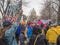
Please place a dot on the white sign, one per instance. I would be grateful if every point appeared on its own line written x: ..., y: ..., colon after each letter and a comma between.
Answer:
x: 45, y: 21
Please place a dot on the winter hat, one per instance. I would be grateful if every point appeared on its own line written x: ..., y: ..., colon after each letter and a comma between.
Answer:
x: 6, y: 23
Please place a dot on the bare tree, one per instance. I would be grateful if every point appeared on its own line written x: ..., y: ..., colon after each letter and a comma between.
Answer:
x: 25, y: 3
x: 50, y: 10
x: 56, y: 7
x: 46, y: 11
x: 56, y: 3
x: 2, y: 7
x: 10, y: 9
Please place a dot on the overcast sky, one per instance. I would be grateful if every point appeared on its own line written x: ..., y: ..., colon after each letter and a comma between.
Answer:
x: 36, y: 4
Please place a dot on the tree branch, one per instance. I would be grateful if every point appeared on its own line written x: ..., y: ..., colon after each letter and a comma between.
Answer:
x: 55, y: 3
x: 55, y: 10
x: 8, y: 2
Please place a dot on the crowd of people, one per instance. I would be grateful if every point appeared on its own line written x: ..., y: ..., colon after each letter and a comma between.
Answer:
x: 29, y: 33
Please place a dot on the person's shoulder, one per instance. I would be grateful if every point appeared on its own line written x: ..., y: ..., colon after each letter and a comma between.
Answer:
x: 51, y: 28
x: 58, y: 27
x: 42, y: 35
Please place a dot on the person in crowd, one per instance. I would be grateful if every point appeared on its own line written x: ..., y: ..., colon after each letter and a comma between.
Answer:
x: 49, y: 24
x: 52, y: 34
x: 2, y: 42
x: 45, y: 27
x: 37, y: 38
x: 18, y: 32
x: 29, y: 30
x: 2, y: 31
x: 22, y: 37
x: 39, y: 22
x: 23, y: 26
x: 58, y: 40
x: 10, y: 34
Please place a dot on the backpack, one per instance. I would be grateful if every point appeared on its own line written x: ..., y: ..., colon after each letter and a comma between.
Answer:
x: 40, y: 40
x: 29, y: 32
x: 18, y: 30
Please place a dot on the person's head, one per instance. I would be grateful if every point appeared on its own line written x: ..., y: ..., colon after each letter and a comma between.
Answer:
x: 37, y: 30
x: 28, y: 23
x: 39, y: 20
x: 53, y: 25
x: 23, y: 23
x: 6, y: 23
x: 6, y: 26
x: 50, y: 22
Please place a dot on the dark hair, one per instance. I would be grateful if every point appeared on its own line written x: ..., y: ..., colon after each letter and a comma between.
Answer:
x: 39, y: 20
x: 42, y: 25
x: 6, y: 23
x: 36, y: 30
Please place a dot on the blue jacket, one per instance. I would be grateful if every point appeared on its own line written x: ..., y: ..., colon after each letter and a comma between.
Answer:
x: 18, y: 29
x: 9, y: 35
x: 29, y: 32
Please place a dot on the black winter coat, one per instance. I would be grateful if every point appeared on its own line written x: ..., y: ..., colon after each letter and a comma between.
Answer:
x: 40, y: 41
x: 3, y: 42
